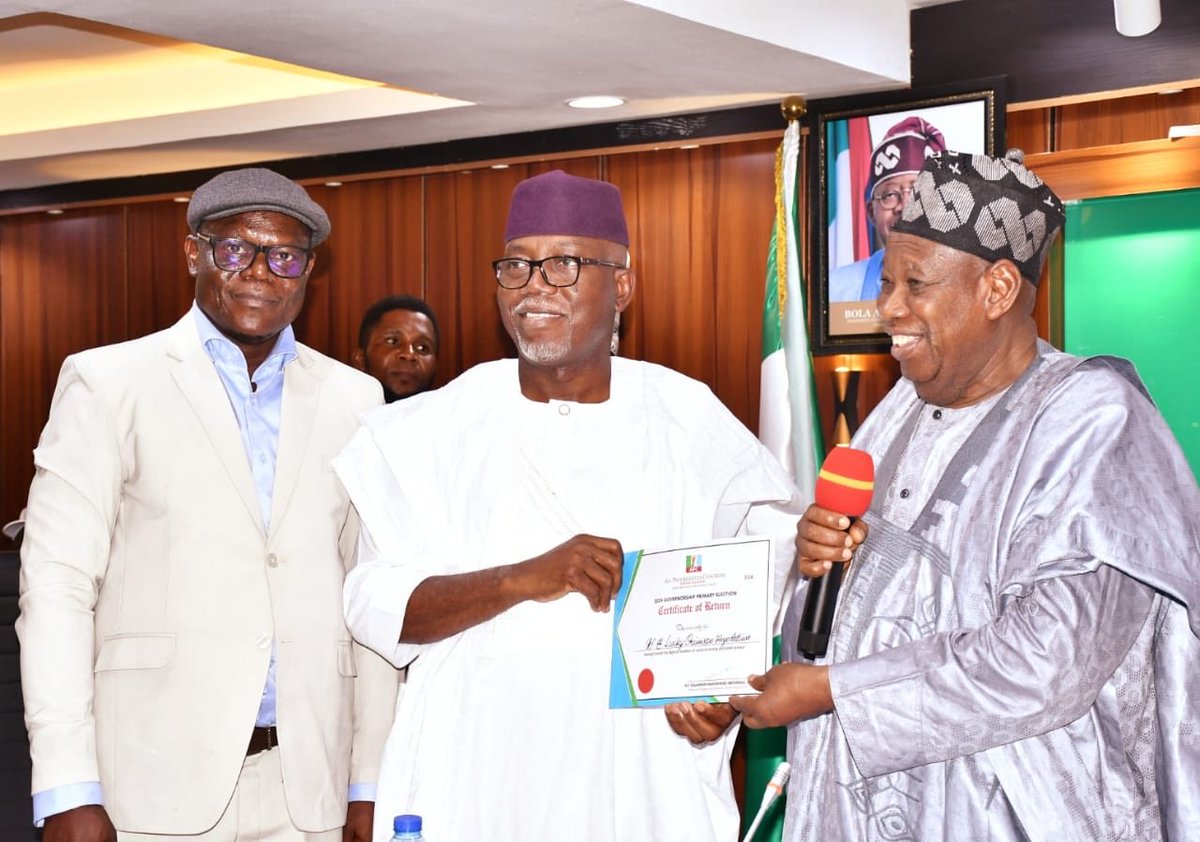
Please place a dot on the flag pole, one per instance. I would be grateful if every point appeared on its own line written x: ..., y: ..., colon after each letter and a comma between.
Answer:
x: 794, y: 107
x: 786, y: 423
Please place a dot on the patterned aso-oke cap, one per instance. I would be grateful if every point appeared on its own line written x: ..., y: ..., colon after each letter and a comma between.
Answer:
x: 994, y: 208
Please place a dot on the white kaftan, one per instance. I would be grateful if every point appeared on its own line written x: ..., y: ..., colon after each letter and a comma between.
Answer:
x: 503, y: 731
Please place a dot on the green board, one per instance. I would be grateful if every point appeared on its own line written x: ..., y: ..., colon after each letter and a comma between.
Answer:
x: 1131, y: 288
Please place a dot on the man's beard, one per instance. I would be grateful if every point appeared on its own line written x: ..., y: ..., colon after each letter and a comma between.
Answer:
x: 544, y: 352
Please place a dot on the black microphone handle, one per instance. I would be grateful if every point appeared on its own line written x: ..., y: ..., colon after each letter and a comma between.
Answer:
x: 816, y: 622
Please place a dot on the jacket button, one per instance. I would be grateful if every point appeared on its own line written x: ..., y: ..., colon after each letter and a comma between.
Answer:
x: 272, y: 560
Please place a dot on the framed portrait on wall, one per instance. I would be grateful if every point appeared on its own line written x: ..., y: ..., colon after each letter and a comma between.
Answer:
x: 864, y: 154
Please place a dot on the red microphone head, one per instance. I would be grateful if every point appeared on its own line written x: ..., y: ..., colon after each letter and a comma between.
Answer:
x: 846, y: 481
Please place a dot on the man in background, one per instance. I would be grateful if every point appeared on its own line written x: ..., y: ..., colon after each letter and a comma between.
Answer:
x: 186, y: 667
x: 1012, y: 657
x: 895, y: 162
x: 398, y: 345
x: 495, y: 510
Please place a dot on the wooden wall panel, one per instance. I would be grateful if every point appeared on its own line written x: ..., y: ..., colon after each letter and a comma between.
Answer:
x: 351, y: 266
x: 1123, y: 169
x: 743, y: 214
x: 1108, y: 122
x: 375, y: 245
x: 464, y: 233
x: 1125, y: 119
x: 62, y: 289
x: 668, y: 197
x: 1027, y: 130
x: 160, y: 288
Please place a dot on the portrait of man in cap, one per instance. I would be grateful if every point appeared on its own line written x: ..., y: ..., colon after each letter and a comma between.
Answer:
x: 490, y: 556
x: 894, y: 164
x: 187, y: 670
x: 1015, y: 645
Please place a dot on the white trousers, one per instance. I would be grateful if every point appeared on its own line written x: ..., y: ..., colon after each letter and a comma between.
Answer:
x: 257, y: 812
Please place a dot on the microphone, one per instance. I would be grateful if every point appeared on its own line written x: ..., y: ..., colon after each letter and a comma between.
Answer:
x: 774, y: 790
x: 844, y: 485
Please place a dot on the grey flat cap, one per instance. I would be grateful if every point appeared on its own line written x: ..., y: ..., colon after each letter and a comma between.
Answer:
x: 238, y: 191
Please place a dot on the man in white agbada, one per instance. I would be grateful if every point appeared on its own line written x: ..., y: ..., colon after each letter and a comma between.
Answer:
x: 1011, y: 657
x: 494, y: 514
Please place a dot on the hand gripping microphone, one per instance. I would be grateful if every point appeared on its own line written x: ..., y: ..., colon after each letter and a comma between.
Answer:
x: 844, y: 485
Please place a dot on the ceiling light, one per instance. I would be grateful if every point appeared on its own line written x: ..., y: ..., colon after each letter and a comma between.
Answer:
x: 596, y: 102
x: 333, y: 184
x: 499, y: 166
x: 690, y: 146
x: 181, y: 199
x: 54, y: 211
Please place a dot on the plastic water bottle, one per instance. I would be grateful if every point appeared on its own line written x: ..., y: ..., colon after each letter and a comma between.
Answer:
x: 407, y: 828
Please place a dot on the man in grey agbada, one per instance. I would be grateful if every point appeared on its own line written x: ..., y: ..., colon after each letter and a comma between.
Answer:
x: 1014, y: 652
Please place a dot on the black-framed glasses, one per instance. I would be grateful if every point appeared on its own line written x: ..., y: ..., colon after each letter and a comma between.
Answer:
x: 558, y: 270
x: 892, y: 199
x: 236, y: 255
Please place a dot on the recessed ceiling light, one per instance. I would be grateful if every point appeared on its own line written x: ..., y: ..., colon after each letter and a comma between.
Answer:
x: 54, y: 211
x: 499, y: 166
x: 596, y: 102
x: 181, y: 199
x: 690, y: 146
x: 333, y: 184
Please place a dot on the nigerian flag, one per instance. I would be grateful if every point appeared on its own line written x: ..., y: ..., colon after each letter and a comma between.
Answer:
x: 787, y: 423
x: 840, y: 199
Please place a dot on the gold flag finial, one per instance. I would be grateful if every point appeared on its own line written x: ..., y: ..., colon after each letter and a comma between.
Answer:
x: 793, y: 107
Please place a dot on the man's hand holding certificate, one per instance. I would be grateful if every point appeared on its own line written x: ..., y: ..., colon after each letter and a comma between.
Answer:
x: 691, y: 623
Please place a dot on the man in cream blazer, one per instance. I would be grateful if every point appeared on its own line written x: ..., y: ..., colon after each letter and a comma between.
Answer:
x: 186, y: 667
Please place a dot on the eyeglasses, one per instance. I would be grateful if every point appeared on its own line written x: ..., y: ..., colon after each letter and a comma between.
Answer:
x: 559, y: 270
x: 235, y: 255
x: 892, y: 199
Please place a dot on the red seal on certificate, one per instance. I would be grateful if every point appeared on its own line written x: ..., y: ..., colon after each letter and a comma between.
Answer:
x: 646, y: 680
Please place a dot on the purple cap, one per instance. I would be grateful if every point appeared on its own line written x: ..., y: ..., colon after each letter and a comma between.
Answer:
x: 558, y: 203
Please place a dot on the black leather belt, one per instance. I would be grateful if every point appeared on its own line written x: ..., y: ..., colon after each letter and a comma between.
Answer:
x: 262, y: 739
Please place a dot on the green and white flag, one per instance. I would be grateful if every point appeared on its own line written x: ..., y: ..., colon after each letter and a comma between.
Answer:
x: 787, y: 422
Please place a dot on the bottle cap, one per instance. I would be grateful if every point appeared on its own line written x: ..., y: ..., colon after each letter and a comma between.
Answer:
x: 406, y: 824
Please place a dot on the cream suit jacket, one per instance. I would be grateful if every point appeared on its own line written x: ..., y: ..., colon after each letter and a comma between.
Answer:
x: 151, y: 593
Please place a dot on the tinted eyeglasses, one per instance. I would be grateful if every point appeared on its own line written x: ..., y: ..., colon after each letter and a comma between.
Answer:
x: 235, y: 255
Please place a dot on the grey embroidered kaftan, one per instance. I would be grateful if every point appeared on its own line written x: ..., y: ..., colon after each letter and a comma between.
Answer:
x: 1016, y: 662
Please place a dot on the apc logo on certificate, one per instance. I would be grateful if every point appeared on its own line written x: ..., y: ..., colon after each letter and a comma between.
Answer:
x: 691, y: 623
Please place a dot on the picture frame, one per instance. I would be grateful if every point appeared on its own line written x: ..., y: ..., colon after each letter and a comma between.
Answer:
x: 863, y: 153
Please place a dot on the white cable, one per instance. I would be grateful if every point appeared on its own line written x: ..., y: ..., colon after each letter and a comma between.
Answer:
x: 774, y: 790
